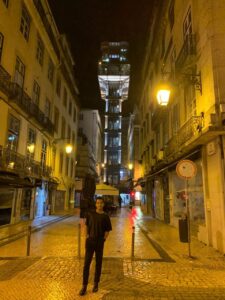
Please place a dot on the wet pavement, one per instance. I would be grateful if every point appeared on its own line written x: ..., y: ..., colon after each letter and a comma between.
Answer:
x: 161, y: 268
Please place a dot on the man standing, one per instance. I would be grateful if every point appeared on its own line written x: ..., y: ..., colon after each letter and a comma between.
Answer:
x: 98, y: 225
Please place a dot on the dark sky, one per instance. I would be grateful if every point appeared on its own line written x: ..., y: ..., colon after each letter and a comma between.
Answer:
x: 89, y: 22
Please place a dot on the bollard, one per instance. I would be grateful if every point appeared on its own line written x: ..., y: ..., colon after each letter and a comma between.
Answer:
x: 79, y: 242
x: 28, y: 239
x: 132, y: 242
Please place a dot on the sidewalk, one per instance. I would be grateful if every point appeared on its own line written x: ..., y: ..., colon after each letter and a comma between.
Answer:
x: 165, y: 272
x: 167, y: 237
x: 13, y: 232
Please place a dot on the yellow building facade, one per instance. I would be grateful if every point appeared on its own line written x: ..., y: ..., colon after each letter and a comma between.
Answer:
x: 38, y: 113
x: 185, y: 51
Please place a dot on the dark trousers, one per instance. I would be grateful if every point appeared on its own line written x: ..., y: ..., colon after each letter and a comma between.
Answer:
x: 93, y: 245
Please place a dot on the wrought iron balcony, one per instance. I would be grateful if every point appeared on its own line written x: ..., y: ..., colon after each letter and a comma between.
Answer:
x: 187, y: 52
x: 13, y: 161
x: 4, y: 81
x: 24, y: 102
x: 189, y: 131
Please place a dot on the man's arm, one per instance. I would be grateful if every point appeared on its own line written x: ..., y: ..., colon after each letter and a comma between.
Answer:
x: 106, y: 235
x: 85, y: 231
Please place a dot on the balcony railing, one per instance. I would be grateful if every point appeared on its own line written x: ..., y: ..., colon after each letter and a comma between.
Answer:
x: 187, y: 132
x: 188, y: 50
x: 24, y: 102
x: 13, y: 161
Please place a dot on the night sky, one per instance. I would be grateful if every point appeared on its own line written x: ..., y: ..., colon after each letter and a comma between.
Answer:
x: 89, y: 22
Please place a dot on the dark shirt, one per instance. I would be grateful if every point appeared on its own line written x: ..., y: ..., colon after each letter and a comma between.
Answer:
x: 97, y: 224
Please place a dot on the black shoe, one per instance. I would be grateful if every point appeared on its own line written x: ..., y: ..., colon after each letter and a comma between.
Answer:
x: 95, y: 288
x: 83, y: 290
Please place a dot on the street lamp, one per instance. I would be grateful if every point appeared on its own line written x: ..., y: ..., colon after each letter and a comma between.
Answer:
x: 68, y: 146
x: 163, y: 96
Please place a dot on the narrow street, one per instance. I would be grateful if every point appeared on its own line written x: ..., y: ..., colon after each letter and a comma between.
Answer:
x: 160, y: 268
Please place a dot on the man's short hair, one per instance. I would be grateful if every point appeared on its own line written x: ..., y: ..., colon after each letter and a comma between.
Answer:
x: 100, y: 198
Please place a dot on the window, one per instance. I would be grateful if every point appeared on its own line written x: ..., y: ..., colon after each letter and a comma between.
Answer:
x: 58, y: 86
x: 6, y: 2
x: 50, y: 70
x: 19, y: 72
x: 67, y: 166
x: 47, y: 108
x: 13, y: 132
x: 40, y: 51
x: 31, y: 139
x: 187, y: 25
x: 73, y: 138
x: 63, y: 128
x: 56, y: 119
x: 36, y: 93
x: 190, y: 101
x: 25, y: 23
x: 71, y: 168
x: 171, y: 15
x: 68, y: 132
x: 53, y: 158
x: 61, y: 163
x: 70, y: 108
x: 1, y: 44
x: 43, y: 153
x: 65, y: 97
x: 74, y: 115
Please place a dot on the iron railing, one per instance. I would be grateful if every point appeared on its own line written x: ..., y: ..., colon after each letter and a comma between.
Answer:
x: 13, y: 161
x: 186, y: 133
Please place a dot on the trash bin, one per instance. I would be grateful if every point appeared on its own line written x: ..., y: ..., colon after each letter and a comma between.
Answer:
x: 183, y: 230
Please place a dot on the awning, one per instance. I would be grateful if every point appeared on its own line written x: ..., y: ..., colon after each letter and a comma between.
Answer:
x: 10, y: 179
x: 104, y: 189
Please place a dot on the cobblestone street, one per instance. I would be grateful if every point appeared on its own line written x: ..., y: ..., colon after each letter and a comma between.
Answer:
x: 160, y: 269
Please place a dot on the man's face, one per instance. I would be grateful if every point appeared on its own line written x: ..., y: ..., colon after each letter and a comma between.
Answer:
x: 99, y: 204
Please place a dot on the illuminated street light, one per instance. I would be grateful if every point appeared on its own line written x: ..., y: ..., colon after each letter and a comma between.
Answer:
x: 163, y: 96
x: 130, y: 166
x: 69, y: 148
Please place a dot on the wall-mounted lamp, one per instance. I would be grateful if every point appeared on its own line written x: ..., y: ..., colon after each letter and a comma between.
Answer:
x: 68, y: 146
x: 164, y: 90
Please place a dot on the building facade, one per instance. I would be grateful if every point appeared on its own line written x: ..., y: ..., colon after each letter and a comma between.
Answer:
x: 113, y: 77
x: 191, y: 58
x: 38, y: 113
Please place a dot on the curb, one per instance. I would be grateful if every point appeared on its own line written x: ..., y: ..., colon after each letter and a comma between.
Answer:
x: 13, y: 237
